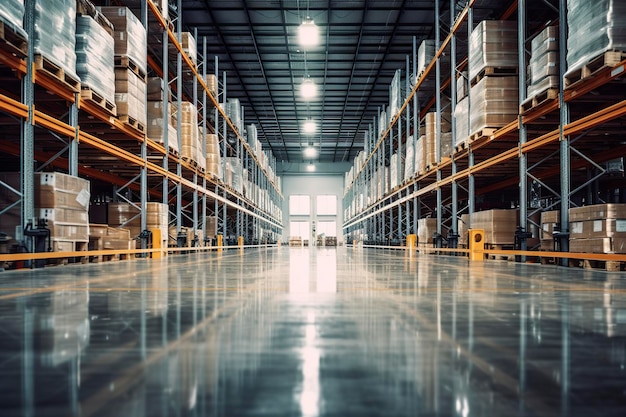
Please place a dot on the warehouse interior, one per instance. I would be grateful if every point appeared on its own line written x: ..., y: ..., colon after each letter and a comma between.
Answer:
x: 312, y: 207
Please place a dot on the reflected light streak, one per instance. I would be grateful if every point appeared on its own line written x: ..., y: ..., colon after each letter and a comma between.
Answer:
x: 309, y: 397
x: 327, y: 271
x: 299, y: 271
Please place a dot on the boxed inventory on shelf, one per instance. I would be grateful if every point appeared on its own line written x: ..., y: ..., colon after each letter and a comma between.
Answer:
x: 425, y: 55
x: 549, y: 222
x: 493, y: 43
x: 130, y: 95
x: 494, y: 102
x: 95, y: 56
x: 62, y: 200
x: 128, y: 216
x: 409, y: 159
x: 499, y: 225
x: 130, y: 35
x: 543, y: 66
x: 426, y: 229
x: 598, y: 228
x: 12, y: 12
x: 594, y: 27
x: 105, y: 237
x: 188, y: 43
x: 156, y: 125
x: 462, y: 86
x: 396, y: 94
x: 55, y: 33
x: 461, y: 120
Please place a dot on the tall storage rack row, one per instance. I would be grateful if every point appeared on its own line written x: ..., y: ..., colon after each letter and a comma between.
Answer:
x: 562, y: 148
x: 49, y: 123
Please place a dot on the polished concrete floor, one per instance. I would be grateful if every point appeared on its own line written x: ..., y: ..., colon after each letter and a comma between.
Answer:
x: 312, y: 332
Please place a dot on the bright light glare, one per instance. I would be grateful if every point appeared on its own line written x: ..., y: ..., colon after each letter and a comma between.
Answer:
x: 310, y: 168
x: 308, y: 34
x: 308, y: 89
x: 310, y: 152
x: 309, y: 126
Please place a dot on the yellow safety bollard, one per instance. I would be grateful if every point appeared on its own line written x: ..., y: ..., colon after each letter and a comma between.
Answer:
x: 476, y: 244
x: 240, y: 241
x: 411, y: 242
x: 156, y: 243
x: 220, y: 242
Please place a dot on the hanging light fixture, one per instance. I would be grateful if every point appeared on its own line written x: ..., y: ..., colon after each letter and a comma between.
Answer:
x: 310, y: 152
x: 308, y: 89
x: 310, y: 167
x: 308, y: 33
x: 309, y: 126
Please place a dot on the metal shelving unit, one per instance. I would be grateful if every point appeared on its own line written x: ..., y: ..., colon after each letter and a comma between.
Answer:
x: 48, y: 124
x: 547, y: 158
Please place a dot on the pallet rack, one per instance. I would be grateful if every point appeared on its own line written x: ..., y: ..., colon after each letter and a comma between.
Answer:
x: 48, y: 124
x: 547, y: 158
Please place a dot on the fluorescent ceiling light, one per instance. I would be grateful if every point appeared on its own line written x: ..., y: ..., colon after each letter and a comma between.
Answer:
x: 308, y: 34
x: 308, y: 89
x: 310, y: 152
x: 310, y: 167
x: 309, y: 126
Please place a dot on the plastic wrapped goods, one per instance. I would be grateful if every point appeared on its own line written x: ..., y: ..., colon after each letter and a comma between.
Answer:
x: 12, y: 12
x: 409, y: 161
x: 130, y: 95
x: 461, y: 121
x: 543, y: 66
x: 189, y: 46
x: 494, y: 102
x: 130, y: 35
x: 55, y: 32
x: 94, y: 57
x: 425, y: 54
x: 420, y: 155
x: 396, y: 96
x: 493, y: 43
x: 157, y: 125
x: 593, y: 28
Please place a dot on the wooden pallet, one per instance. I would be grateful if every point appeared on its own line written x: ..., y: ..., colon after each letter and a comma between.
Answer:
x: 45, y: 65
x: 607, y: 60
x: 500, y: 247
x: 12, y: 41
x: 461, y: 146
x: 190, y: 161
x: 539, y: 100
x: 601, y: 265
x: 494, y: 71
x: 88, y: 94
x: 483, y: 133
x: 87, y: 8
x: 132, y: 122
x: 124, y: 61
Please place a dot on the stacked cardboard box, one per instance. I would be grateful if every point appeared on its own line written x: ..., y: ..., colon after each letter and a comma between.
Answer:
x: 395, y: 169
x: 409, y: 160
x: 55, y: 33
x: 494, y: 102
x: 425, y: 55
x: 549, y: 221
x: 594, y: 27
x: 95, y: 54
x: 130, y: 95
x: 463, y: 229
x: 213, y: 161
x: 499, y: 225
x: 190, y: 135
x: 211, y: 83
x: 189, y: 46
x: 426, y: 228
x: 105, y: 237
x: 461, y: 120
x: 128, y: 216
x: 431, y: 153
x: 543, y: 67
x: 420, y: 155
x: 396, y: 94
x: 62, y: 200
x: 156, y: 92
x: 493, y: 63
x: 598, y: 228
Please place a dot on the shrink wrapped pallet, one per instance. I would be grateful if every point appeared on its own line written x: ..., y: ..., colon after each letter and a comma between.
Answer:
x: 211, y: 83
x: 12, y: 12
x: 396, y: 96
x: 213, y: 161
x: 463, y: 229
x: 426, y: 229
x: 446, y: 145
x: 594, y: 27
x: 543, y: 66
x: 394, y: 171
x: 598, y: 228
x: 94, y: 57
x: 493, y: 43
x: 462, y: 86
x: 130, y: 95
x: 420, y: 155
x: 409, y: 161
x: 431, y: 137
x: 157, y: 127
x: 425, y: 55
x: 499, y: 225
x: 494, y: 102
x: 54, y: 36
x: 156, y: 88
x: 234, y: 112
x: 130, y: 35
x: 383, y: 122
x: 461, y: 120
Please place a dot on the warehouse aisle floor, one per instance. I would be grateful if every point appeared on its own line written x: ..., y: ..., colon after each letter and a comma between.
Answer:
x: 312, y: 332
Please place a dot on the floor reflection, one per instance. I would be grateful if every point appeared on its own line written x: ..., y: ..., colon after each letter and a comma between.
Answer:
x: 312, y: 332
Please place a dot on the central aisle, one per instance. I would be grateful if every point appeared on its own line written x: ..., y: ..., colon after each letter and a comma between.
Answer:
x: 312, y: 332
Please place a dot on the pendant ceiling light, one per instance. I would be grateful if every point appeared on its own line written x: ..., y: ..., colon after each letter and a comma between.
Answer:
x: 308, y: 89
x: 309, y: 126
x: 308, y: 34
x: 310, y: 152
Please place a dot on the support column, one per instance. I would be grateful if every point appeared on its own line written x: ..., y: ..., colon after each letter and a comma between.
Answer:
x: 523, y: 164
x: 564, y: 145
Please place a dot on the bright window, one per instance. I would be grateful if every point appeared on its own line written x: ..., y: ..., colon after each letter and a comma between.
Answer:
x: 299, y: 205
x: 327, y: 205
x: 327, y: 228
x: 299, y: 229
